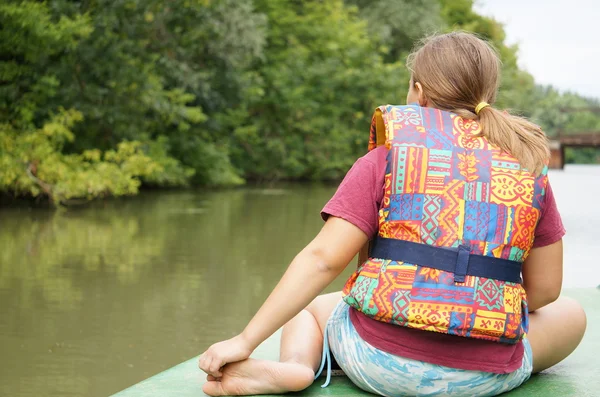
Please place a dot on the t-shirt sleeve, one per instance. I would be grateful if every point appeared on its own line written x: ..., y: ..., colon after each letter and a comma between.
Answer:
x: 550, y: 228
x: 358, y: 197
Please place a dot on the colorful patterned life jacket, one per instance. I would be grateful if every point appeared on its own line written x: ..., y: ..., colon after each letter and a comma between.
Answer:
x: 456, y: 222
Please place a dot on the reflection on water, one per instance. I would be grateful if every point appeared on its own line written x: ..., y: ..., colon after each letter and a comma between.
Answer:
x: 98, y: 298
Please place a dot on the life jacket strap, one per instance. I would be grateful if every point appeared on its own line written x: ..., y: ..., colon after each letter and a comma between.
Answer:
x: 459, y: 261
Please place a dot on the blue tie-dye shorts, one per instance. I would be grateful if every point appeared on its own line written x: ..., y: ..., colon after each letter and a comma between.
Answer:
x: 385, y: 374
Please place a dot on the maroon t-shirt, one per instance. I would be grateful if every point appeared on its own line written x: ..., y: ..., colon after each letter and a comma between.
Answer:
x: 357, y: 200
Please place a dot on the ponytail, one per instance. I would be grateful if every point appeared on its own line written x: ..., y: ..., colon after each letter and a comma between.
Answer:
x: 513, y: 134
x: 517, y: 136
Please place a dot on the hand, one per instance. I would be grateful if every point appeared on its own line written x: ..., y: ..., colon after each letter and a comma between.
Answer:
x: 222, y: 353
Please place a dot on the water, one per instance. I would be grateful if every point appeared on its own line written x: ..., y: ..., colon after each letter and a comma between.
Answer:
x: 99, y: 298
x: 577, y: 192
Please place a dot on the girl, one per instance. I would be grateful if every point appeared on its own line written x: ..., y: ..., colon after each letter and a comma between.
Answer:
x: 454, y: 198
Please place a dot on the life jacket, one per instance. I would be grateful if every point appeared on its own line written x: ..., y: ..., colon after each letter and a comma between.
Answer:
x: 456, y: 223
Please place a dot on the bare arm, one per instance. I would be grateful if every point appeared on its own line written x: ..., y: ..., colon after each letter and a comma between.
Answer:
x: 363, y: 254
x: 542, y: 275
x: 314, y: 268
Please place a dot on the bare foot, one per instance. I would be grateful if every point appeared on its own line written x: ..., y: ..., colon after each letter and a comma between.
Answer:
x: 250, y: 377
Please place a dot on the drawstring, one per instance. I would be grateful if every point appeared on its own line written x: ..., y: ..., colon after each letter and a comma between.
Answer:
x: 325, y: 357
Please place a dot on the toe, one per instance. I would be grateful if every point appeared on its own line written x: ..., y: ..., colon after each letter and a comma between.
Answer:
x: 214, y: 388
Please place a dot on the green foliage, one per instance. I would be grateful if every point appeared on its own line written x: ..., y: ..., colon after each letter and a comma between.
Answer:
x: 319, y: 79
x: 98, y: 98
x: 166, y: 71
x: 584, y: 155
x: 398, y: 24
x: 47, y: 150
x: 34, y: 164
x: 564, y: 113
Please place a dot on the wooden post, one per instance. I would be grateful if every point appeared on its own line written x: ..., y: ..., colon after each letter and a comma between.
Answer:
x: 557, y: 155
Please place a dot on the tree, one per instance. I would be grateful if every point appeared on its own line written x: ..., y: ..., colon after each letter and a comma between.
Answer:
x: 398, y: 24
x: 320, y: 79
x: 99, y: 97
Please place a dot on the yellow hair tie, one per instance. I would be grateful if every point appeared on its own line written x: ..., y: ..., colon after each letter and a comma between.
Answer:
x: 480, y: 106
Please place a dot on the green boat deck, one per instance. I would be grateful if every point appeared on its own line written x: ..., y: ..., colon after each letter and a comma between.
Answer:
x: 578, y: 375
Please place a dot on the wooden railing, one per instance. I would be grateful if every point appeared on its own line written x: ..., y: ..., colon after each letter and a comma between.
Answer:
x: 580, y: 139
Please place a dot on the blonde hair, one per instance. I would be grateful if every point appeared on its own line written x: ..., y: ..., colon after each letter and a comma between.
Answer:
x: 458, y: 71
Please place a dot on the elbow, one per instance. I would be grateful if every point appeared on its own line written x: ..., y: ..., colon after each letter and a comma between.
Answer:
x: 554, y: 294
x: 324, y: 267
x: 542, y: 297
x: 549, y: 297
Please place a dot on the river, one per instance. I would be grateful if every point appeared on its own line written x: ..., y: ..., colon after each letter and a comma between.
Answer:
x: 97, y: 298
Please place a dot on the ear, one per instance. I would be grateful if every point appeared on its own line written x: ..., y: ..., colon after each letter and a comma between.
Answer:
x: 423, y: 101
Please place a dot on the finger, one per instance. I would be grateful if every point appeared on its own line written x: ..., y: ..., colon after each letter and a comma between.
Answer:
x: 211, y: 378
x: 202, y: 362
x: 206, y: 365
x: 215, y: 367
x: 214, y: 389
